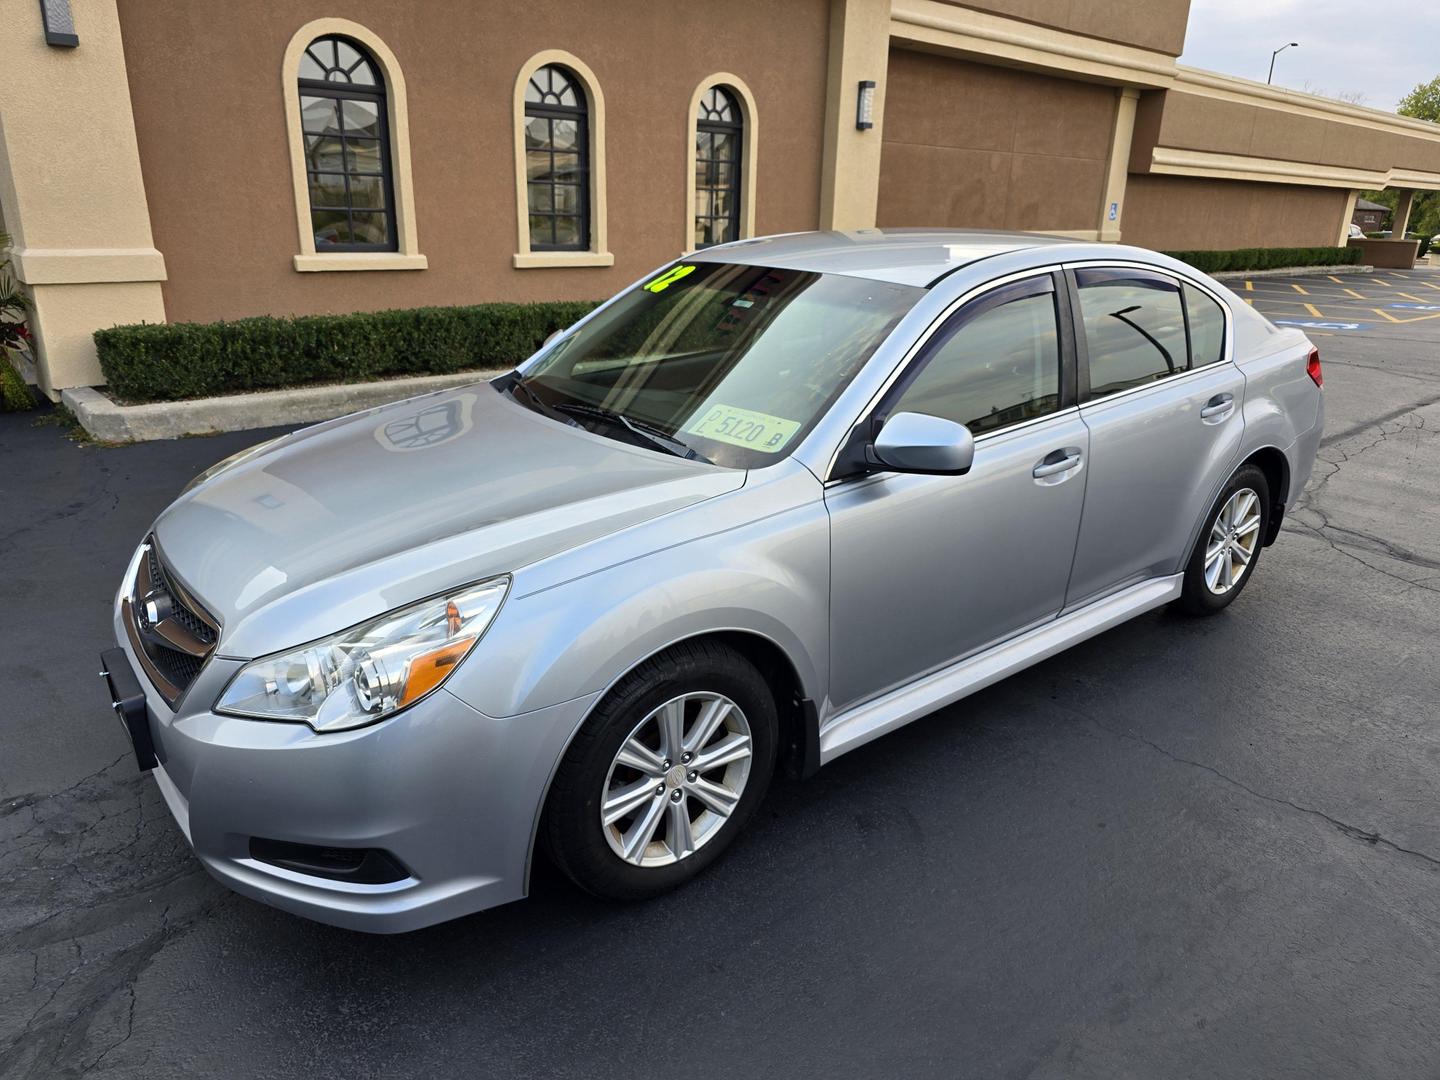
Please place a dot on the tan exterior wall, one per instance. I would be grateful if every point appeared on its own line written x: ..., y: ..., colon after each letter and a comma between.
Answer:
x: 973, y: 146
x: 1221, y: 127
x: 1178, y: 213
x: 1153, y: 24
x: 71, y: 190
x: 1194, y: 122
x: 212, y: 137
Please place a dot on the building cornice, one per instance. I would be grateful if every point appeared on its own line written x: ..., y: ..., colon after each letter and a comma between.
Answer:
x: 1172, y: 161
x: 927, y: 24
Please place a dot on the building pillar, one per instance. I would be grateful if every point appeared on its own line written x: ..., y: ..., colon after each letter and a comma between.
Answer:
x: 71, y: 193
x: 1122, y: 131
x: 850, y: 166
x: 1406, y: 199
x: 1347, y: 218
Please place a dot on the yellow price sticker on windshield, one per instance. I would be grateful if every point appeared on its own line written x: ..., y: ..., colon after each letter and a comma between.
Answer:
x: 744, y: 427
x: 668, y: 278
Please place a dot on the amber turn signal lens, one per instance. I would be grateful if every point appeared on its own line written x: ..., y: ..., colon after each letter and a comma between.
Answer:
x: 428, y: 670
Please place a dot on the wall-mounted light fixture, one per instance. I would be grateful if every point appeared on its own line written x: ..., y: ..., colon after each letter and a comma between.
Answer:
x: 865, y: 106
x: 59, y: 23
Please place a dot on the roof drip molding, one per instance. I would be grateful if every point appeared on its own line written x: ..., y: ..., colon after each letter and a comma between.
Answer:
x: 927, y: 24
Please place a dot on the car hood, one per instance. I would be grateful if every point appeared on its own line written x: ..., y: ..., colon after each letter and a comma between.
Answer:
x: 337, y: 523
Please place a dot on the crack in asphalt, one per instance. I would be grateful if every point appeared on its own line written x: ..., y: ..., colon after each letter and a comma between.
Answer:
x: 1341, y: 539
x: 1375, y: 839
x: 80, y: 923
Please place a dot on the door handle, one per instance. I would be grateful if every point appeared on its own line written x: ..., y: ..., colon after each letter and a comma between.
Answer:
x: 1057, y: 461
x: 1218, y: 406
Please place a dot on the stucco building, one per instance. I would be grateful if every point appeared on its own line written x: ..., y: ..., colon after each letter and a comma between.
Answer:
x: 209, y: 161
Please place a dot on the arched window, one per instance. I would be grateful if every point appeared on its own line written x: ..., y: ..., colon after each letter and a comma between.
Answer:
x: 720, y: 166
x: 719, y: 130
x: 557, y: 161
x: 345, y: 126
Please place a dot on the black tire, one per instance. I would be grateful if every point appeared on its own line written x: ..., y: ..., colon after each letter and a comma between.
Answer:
x: 572, y: 831
x: 1196, y: 597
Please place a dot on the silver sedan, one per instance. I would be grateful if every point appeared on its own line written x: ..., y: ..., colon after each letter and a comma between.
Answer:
x: 769, y: 503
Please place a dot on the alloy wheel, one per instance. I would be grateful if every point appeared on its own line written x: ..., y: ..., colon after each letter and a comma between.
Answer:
x: 676, y: 779
x: 1234, y: 537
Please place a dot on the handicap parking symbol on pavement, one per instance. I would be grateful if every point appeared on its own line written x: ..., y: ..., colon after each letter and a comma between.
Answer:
x: 1415, y: 307
x: 1319, y: 324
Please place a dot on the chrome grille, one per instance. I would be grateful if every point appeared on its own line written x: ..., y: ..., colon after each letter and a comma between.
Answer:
x: 171, y: 633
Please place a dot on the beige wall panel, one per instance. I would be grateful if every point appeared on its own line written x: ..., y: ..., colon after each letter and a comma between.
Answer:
x: 943, y: 186
x: 212, y: 138
x: 973, y: 146
x: 1154, y: 24
x: 1053, y: 193
x: 1173, y: 213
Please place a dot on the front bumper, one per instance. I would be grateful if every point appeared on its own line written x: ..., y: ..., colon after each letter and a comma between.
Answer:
x: 452, y: 794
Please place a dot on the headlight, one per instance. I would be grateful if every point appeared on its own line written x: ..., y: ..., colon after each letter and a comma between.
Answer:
x: 225, y: 463
x: 369, y: 671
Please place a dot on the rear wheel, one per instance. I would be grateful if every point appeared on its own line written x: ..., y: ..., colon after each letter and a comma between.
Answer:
x: 664, y: 773
x: 1229, y: 547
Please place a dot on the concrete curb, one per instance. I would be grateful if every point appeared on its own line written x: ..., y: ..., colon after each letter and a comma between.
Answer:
x: 1292, y: 271
x: 106, y: 421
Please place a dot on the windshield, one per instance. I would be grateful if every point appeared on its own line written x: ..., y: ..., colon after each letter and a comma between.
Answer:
x: 731, y: 364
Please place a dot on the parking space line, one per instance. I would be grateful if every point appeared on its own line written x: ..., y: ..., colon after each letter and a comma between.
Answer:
x: 1300, y: 289
x: 1411, y: 296
x: 1335, y: 279
x: 1414, y: 318
x: 1313, y: 310
x: 1379, y: 282
x: 1355, y: 294
x: 1249, y: 286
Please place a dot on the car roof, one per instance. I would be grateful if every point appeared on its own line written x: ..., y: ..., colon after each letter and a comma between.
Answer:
x: 903, y: 256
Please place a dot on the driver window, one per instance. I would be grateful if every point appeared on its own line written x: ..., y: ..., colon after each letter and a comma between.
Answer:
x: 995, y: 367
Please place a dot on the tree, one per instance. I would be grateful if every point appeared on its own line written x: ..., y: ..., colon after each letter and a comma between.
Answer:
x: 1423, y: 102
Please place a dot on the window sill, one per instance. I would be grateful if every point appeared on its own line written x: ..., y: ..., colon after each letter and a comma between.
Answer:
x: 530, y: 260
x: 360, y: 260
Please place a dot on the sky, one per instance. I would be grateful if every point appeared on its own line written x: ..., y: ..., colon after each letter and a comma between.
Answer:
x: 1379, y: 50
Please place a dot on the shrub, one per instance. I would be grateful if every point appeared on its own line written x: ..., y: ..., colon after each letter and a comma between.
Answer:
x: 1215, y: 262
x: 169, y: 361
x: 15, y: 394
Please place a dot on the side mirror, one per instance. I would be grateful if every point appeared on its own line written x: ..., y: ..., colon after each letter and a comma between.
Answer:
x: 916, y: 443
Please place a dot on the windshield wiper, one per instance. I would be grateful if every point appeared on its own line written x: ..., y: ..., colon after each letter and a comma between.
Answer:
x: 649, y: 435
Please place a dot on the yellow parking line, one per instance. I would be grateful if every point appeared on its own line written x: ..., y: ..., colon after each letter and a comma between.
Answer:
x: 1249, y: 301
x: 1411, y: 296
x: 1314, y: 311
x: 1299, y: 289
x: 1379, y: 282
x: 1355, y: 294
x: 1249, y: 286
x: 1335, y: 279
x: 1413, y: 318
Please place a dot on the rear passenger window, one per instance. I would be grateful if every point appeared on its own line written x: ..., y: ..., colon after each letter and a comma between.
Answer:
x: 1134, y: 328
x: 1207, y: 328
x: 998, y: 363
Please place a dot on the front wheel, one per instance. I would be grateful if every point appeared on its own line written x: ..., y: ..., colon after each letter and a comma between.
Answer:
x: 1229, y: 547
x: 664, y: 773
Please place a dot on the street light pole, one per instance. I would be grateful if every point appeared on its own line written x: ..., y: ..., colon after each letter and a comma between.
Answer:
x: 1277, y: 52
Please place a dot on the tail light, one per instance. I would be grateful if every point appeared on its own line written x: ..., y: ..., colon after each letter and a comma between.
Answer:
x: 1312, y: 368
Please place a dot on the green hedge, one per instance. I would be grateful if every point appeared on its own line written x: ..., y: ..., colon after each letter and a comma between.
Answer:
x: 1215, y: 262
x: 169, y: 361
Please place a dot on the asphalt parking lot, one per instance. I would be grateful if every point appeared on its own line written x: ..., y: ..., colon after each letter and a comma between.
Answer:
x: 1182, y: 849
